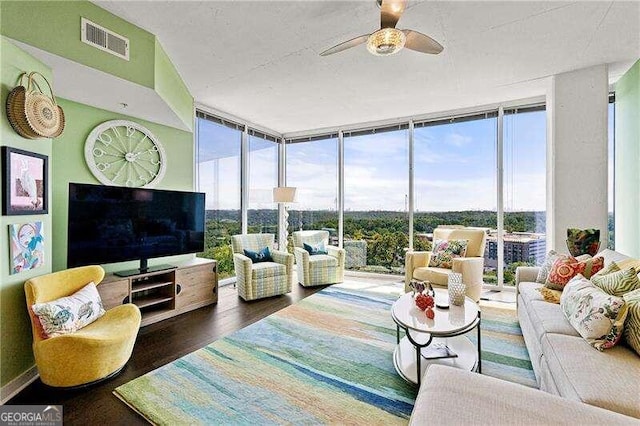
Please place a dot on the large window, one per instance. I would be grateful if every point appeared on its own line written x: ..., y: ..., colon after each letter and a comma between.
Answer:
x: 455, y: 179
x: 524, y: 189
x: 611, y: 164
x: 219, y: 177
x: 376, y: 196
x: 312, y: 167
x: 263, y: 177
x: 456, y: 182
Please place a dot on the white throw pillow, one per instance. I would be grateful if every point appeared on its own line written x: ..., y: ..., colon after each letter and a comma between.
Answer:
x: 71, y: 313
x: 597, y: 316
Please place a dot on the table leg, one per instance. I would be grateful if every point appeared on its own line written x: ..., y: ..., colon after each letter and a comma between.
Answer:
x: 479, y: 345
x: 418, y: 361
x: 397, y: 334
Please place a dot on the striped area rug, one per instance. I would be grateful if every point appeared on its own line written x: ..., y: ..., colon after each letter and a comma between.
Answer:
x: 326, y: 359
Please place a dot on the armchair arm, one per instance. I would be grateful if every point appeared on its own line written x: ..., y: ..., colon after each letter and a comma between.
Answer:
x: 302, y: 264
x: 413, y: 260
x: 284, y: 258
x: 472, y: 270
x: 525, y: 274
x: 242, y: 266
x: 338, y: 253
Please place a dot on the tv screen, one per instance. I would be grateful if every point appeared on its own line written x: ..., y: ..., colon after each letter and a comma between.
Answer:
x: 110, y: 224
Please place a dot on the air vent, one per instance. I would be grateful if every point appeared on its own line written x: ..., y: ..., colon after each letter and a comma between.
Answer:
x: 103, y: 39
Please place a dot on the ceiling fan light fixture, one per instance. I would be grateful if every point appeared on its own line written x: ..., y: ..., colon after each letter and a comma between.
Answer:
x: 386, y: 41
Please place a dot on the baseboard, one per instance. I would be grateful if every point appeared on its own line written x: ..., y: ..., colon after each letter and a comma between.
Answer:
x: 12, y: 388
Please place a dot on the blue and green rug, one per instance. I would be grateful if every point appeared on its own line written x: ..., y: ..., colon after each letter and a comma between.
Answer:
x: 326, y: 359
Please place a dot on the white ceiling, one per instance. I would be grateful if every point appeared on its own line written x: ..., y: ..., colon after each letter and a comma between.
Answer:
x: 259, y: 60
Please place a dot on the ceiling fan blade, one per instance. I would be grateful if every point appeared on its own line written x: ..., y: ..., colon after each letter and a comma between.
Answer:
x: 421, y: 43
x: 390, y: 12
x: 346, y: 45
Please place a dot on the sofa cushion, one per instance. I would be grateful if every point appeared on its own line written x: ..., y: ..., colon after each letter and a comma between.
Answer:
x: 598, y: 316
x: 612, y: 256
x: 548, y: 318
x: 606, y: 379
x: 267, y: 269
x: 438, y: 276
x: 529, y: 292
x: 451, y: 396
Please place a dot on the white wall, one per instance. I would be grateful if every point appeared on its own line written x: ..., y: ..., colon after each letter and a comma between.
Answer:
x: 627, y: 163
x: 577, y: 104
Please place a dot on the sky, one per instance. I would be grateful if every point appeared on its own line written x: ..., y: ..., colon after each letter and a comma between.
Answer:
x: 455, y: 168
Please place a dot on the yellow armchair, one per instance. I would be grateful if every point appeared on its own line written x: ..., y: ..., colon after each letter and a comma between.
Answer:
x: 471, y: 266
x: 93, y: 353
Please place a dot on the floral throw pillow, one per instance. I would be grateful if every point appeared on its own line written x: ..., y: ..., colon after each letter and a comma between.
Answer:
x: 567, y: 267
x: 552, y: 256
x: 597, y: 316
x: 69, y: 314
x: 444, y: 251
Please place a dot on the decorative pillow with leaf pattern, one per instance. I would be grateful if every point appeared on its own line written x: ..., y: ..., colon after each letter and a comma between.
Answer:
x: 444, y: 251
x: 632, y: 326
x: 597, y: 316
x: 69, y: 314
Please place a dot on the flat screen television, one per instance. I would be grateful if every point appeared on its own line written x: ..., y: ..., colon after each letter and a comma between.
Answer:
x: 109, y: 224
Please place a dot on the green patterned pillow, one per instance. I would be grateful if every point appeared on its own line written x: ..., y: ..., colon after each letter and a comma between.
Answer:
x: 612, y: 267
x: 632, y: 324
x: 618, y: 283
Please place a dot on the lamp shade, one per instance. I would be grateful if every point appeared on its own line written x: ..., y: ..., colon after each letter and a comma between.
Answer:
x: 284, y: 194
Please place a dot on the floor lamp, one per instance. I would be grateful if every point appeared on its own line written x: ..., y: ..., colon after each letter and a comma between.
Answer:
x: 283, y: 195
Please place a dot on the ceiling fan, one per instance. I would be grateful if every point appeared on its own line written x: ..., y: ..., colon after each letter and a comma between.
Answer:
x: 389, y: 40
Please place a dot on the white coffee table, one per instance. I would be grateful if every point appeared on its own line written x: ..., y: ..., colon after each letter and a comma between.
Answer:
x: 447, y: 327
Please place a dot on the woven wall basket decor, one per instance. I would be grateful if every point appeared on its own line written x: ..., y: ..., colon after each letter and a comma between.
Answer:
x: 32, y: 113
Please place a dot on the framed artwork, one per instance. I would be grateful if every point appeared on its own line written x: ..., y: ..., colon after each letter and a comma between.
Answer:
x: 27, y: 246
x: 25, y: 182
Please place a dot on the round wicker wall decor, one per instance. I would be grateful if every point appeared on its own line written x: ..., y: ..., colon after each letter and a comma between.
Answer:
x: 32, y: 113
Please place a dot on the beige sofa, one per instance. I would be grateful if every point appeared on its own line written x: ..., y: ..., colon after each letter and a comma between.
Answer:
x: 564, y: 363
x: 450, y: 396
x: 471, y: 267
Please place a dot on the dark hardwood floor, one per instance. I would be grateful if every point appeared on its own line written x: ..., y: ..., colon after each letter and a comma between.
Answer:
x: 156, y: 345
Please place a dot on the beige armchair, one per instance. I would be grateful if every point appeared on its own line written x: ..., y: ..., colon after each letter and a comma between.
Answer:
x: 318, y: 269
x: 263, y: 279
x: 471, y: 266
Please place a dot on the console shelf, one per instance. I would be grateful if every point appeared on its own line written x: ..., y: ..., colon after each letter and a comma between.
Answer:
x: 146, y: 302
x: 163, y: 294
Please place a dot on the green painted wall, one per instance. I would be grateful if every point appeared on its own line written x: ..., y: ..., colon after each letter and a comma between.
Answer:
x: 171, y: 88
x: 16, y: 356
x: 627, y: 163
x: 54, y: 26
x: 69, y: 166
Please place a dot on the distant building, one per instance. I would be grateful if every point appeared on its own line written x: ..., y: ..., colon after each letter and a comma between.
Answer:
x: 518, y: 247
